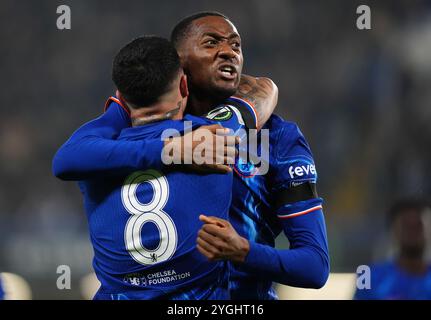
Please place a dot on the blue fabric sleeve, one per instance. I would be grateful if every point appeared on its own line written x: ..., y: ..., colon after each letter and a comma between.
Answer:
x: 305, y: 264
x: 294, y: 160
x: 92, y: 151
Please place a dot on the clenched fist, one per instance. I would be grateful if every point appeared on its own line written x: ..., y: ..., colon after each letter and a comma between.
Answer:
x: 218, y: 240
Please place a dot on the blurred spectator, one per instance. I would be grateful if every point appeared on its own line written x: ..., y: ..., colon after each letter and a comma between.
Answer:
x: 1, y: 290
x: 407, y: 275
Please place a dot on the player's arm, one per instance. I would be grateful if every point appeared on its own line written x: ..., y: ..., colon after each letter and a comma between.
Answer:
x: 261, y: 93
x: 91, y: 150
x: 306, y: 263
x: 299, y: 209
x: 253, y: 104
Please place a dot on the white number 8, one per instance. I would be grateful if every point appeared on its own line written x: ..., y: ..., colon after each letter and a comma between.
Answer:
x: 149, y: 212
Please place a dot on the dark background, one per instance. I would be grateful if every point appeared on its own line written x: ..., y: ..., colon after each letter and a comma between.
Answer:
x: 361, y: 97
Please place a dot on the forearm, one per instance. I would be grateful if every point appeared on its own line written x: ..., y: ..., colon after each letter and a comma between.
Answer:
x: 92, y: 156
x: 92, y: 151
x: 262, y: 93
x: 306, y: 264
x: 305, y: 267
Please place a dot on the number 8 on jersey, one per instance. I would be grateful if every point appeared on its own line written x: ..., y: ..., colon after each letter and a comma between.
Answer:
x: 149, y: 212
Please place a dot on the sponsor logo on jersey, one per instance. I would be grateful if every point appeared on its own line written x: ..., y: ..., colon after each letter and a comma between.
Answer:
x: 156, y: 278
x: 136, y: 279
x: 302, y: 170
x: 220, y: 114
x: 296, y: 183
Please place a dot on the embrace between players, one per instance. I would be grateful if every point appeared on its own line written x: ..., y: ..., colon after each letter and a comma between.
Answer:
x: 199, y: 231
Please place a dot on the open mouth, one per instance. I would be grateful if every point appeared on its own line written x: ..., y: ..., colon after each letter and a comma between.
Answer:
x: 227, y: 72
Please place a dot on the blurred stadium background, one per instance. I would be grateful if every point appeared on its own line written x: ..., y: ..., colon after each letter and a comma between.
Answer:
x: 362, y: 98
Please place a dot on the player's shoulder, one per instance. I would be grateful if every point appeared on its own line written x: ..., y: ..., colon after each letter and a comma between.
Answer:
x: 284, y: 135
x: 234, y: 111
x: 278, y: 125
x: 161, y: 128
x: 197, y: 120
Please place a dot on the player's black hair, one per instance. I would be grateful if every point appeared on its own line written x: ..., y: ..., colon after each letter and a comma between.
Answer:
x: 144, y: 69
x: 180, y: 31
x: 403, y: 205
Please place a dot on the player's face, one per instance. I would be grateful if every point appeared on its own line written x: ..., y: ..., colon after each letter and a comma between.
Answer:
x: 410, y: 232
x: 212, y: 57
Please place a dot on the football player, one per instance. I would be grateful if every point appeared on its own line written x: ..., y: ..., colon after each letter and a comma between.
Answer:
x: 143, y: 224
x: 285, y: 199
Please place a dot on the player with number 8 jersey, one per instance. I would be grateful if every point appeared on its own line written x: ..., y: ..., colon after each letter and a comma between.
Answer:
x: 143, y: 225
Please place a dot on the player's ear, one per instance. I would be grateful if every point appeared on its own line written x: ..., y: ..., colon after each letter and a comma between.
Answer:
x: 182, y: 56
x: 184, y: 90
x: 118, y: 94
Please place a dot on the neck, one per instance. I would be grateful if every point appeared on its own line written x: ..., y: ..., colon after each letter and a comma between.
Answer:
x: 140, y: 117
x: 413, y: 265
x: 200, y: 103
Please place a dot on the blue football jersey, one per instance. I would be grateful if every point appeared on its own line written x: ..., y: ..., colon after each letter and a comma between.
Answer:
x: 389, y: 282
x: 1, y: 289
x: 143, y: 225
x: 254, y: 205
